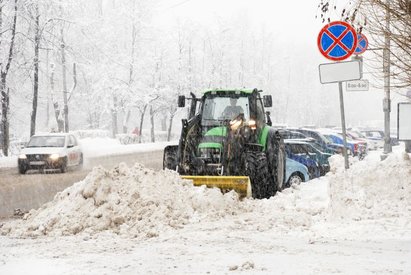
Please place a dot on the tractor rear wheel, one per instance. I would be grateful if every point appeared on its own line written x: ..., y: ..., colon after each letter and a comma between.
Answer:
x: 280, y: 168
x: 256, y: 167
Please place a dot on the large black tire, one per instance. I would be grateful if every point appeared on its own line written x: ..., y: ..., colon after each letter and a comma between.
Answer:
x: 170, y: 158
x: 280, y: 173
x: 276, y: 158
x: 256, y: 167
x: 22, y: 170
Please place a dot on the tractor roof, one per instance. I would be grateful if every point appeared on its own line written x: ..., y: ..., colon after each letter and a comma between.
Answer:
x: 227, y: 91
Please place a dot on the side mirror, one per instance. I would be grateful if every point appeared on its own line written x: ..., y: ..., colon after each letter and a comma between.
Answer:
x: 269, y: 122
x: 181, y: 101
x: 268, y: 101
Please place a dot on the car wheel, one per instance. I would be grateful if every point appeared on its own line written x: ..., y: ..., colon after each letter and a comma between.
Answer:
x: 295, y: 179
x: 63, y: 167
x: 81, y: 161
x: 22, y: 170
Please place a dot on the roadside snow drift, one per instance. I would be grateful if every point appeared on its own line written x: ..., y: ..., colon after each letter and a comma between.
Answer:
x: 140, y: 203
x: 136, y: 202
x: 371, y: 189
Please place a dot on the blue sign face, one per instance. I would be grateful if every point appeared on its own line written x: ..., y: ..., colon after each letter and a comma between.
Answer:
x: 362, y: 44
x: 337, y: 40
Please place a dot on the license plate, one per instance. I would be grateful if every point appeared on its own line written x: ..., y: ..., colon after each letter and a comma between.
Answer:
x: 37, y: 162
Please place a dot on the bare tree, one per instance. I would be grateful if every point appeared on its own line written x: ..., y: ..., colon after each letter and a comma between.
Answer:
x: 36, y: 69
x: 4, y: 91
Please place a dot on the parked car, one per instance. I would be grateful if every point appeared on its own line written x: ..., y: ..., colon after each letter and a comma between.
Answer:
x: 357, y: 135
x: 299, y: 153
x: 378, y: 137
x: 326, y: 145
x: 50, y: 151
x: 289, y: 134
x: 357, y: 148
x: 295, y: 173
x: 315, y: 153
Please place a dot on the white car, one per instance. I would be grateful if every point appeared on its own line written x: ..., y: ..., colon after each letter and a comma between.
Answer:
x: 50, y: 151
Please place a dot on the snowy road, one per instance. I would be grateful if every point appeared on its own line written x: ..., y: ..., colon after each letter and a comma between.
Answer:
x: 211, y: 249
x: 34, y: 189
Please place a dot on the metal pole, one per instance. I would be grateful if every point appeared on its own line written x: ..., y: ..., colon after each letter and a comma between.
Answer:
x: 343, y: 125
x: 387, y: 100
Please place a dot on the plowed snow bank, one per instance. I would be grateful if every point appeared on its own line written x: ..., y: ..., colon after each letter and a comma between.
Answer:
x: 141, y: 203
x: 371, y: 189
x: 134, y: 201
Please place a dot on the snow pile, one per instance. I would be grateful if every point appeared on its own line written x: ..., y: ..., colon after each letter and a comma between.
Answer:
x: 142, y: 203
x: 371, y: 189
x: 136, y: 202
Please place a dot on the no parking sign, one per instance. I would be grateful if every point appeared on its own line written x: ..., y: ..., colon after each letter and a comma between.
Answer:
x: 362, y: 44
x: 337, y: 40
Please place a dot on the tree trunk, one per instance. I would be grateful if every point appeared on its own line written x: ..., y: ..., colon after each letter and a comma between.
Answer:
x: 114, y: 116
x: 57, y: 112
x: 5, y: 96
x: 36, y: 73
x: 64, y: 71
x: 143, y: 112
x: 4, y: 114
x: 125, y: 121
x: 48, y: 94
x: 164, y: 123
x: 152, y: 113
x: 170, y: 125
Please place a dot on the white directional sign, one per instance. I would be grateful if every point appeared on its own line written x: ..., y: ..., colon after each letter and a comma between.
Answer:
x: 404, y: 121
x: 358, y: 85
x: 340, y: 71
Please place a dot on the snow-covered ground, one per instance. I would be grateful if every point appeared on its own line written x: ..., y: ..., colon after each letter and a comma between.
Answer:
x: 135, y: 220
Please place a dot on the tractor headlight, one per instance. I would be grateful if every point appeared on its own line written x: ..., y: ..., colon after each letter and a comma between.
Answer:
x: 22, y: 156
x: 54, y: 156
x: 252, y: 124
x: 234, y: 124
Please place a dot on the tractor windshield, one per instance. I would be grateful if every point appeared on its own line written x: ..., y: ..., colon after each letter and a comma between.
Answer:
x: 217, y: 109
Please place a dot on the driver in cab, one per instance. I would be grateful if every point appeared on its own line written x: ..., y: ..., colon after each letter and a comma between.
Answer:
x: 233, y: 110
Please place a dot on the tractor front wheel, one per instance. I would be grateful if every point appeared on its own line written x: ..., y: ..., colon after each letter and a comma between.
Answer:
x: 170, y: 158
x: 256, y: 168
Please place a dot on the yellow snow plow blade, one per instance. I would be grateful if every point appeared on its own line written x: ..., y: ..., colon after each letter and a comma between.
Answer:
x: 240, y: 184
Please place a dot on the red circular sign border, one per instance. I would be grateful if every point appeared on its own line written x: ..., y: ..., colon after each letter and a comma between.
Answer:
x: 364, y: 49
x: 350, y: 28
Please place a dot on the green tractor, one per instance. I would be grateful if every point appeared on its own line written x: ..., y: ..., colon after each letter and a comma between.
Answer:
x: 228, y: 142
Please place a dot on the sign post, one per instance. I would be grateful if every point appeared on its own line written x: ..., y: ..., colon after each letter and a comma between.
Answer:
x: 337, y: 41
x: 338, y: 73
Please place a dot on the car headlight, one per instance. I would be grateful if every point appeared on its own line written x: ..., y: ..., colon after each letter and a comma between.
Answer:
x: 22, y: 156
x: 54, y: 156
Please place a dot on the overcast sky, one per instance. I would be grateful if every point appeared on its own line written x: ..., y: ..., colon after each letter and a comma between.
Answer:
x: 295, y: 25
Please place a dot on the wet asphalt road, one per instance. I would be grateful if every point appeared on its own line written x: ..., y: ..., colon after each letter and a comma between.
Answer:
x: 34, y: 189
